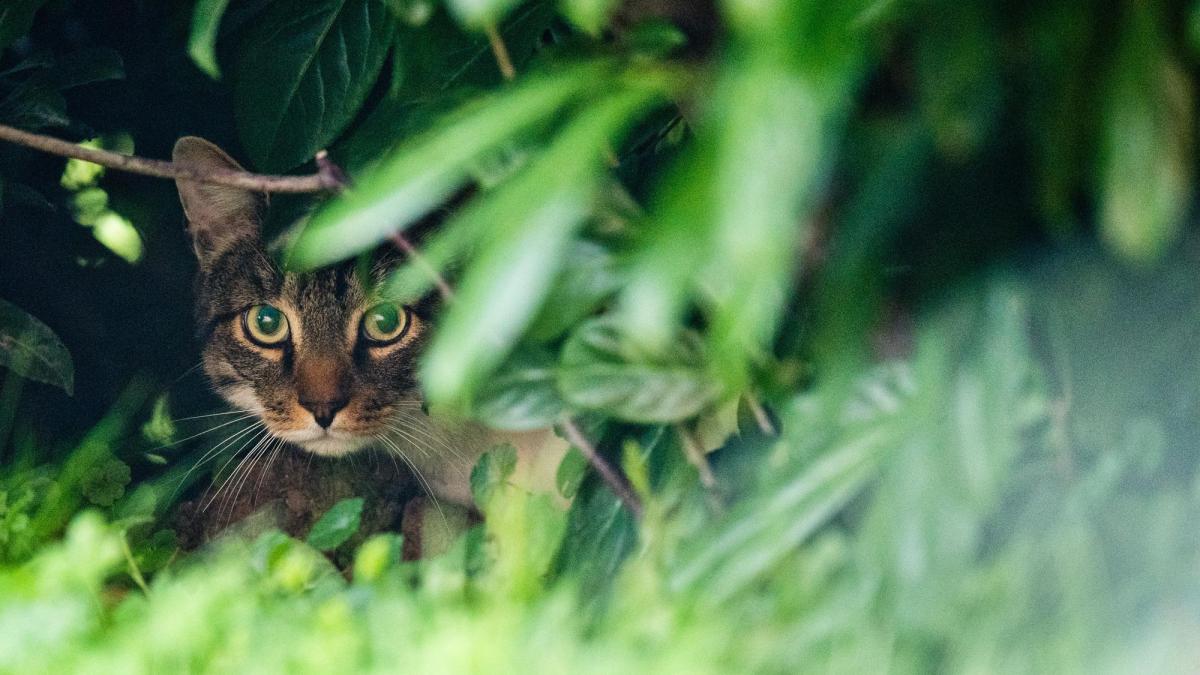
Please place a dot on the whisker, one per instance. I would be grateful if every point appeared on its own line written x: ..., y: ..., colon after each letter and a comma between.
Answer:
x: 215, y: 414
x: 276, y: 448
x: 250, y: 462
x: 412, y: 440
x: 419, y: 476
x: 446, y: 445
x: 214, y: 451
x: 225, y: 490
x: 253, y: 439
x: 206, y: 431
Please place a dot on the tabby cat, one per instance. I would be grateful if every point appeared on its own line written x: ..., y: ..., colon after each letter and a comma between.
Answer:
x: 320, y: 359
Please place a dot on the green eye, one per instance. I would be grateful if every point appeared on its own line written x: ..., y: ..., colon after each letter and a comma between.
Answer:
x: 265, y: 325
x: 385, y: 323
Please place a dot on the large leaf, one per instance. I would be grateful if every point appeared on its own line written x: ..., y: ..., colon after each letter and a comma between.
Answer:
x: 302, y: 74
x: 30, y: 349
x: 602, y: 369
x: 522, y: 395
x: 16, y: 16
x: 202, y: 41
x: 534, y: 218
x: 1146, y: 178
x: 422, y: 174
x: 338, y: 524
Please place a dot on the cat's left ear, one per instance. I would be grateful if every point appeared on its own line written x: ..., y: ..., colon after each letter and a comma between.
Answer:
x: 218, y: 216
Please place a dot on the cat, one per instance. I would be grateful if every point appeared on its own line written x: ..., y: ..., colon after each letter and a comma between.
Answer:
x: 320, y: 359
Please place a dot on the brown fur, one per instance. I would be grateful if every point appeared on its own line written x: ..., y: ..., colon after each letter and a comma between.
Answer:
x: 326, y: 389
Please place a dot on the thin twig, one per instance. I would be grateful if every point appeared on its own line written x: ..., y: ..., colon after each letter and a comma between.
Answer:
x: 760, y: 415
x: 616, y: 482
x: 134, y: 572
x: 401, y: 242
x: 500, y: 51
x: 327, y: 179
x: 695, y: 455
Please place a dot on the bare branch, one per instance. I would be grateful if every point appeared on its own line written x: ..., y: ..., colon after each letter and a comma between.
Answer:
x: 327, y: 179
x: 616, y: 482
x: 401, y: 242
x: 500, y: 51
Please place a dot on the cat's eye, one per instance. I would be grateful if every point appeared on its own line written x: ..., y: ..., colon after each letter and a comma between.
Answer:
x: 385, y: 323
x: 266, y: 325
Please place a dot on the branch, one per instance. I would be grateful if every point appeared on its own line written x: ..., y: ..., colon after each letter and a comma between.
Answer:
x: 616, y: 482
x: 401, y: 242
x: 500, y: 52
x: 327, y: 179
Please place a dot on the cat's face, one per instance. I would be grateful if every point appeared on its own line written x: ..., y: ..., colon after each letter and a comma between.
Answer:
x: 319, y: 358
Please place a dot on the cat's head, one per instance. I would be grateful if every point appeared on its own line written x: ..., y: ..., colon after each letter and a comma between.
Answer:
x: 321, y: 359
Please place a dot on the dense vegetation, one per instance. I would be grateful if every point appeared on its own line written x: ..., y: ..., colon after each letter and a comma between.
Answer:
x: 920, y: 274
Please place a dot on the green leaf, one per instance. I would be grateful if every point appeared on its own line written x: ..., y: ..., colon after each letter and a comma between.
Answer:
x: 491, y: 471
x: 589, y: 277
x: 202, y: 41
x: 105, y: 481
x: 337, y: 525
x: 303, y: 73
x: 1147, y: 170
x: 30, y: 349
x: 570, y: 474
x: 479, y: 13
x: 16, y: 17
x: 423, y: 173
x: 590, y: 15
x: 534, y: 217
x: 522, y: 395
x: 602, y: 369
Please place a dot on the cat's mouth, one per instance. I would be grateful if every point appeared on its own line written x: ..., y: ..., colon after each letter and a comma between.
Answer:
x: 326, y: 442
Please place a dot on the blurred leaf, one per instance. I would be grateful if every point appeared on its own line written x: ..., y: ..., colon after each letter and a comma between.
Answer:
x: 534, y: 217
x: 491, y: 471
x: 958, y: 66
x: 479, y: 13
x: 302, y: 74
x: 590, y: 15
x: 202, y: 41
x: 86, y: 66
x: 105, y: 482
x: 522, y: 395
x: 588, y: 277
x: 34, y: 107
x: 419, y: 176
x: 570, y: 473
x: 160, y: 428
x: 30, y: 349
x: 601, y: 369
x: 760, y: 532
x: 1147, y: 171
x: 16, y: 16
x: 338, y: 524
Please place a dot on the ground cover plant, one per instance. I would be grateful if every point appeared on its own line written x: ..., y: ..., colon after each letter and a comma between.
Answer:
x: 871, y: 325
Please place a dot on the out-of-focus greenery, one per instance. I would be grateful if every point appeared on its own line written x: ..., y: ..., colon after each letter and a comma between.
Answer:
x: 922, y: 274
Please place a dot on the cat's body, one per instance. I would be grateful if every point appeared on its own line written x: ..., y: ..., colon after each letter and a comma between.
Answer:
x: 320, y: 359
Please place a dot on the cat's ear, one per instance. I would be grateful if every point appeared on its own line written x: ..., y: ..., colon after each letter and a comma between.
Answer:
x: 218, y: 216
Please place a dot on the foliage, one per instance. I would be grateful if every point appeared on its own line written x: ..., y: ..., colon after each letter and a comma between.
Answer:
x: 882, y: 309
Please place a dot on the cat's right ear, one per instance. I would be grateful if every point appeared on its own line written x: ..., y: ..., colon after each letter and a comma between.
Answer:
x: 218, y: 216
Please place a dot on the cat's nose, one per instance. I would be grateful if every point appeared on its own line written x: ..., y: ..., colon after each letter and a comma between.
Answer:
x: 324, y: 411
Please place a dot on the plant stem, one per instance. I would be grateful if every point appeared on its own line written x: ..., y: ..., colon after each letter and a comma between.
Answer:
x: 614, y: 480
x: 401, y: 242
x: 761, y: 417
x: 328, y: 177
x: 500, y: 51
x: 695, y: 455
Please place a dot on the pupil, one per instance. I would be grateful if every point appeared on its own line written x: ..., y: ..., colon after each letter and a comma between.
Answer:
x: 385, y: 320
x: 267, y: 321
